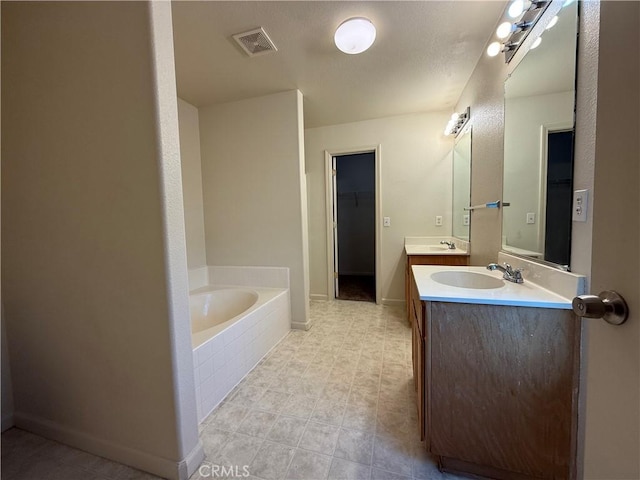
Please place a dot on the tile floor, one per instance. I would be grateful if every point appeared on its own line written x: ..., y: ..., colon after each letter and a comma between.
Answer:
x: 29, y: 457
x: 336, y: 402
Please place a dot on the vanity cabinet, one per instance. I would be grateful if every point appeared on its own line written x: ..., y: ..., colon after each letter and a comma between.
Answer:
x: 449, y: 259
x: 416, y: 309
x: 499, y: 389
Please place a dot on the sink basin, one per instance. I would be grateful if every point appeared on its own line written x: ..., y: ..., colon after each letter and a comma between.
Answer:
x: 454, y: 278
x: 438, y: 248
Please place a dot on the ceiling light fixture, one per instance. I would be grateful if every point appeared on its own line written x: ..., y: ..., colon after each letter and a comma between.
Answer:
x: 355, y: 35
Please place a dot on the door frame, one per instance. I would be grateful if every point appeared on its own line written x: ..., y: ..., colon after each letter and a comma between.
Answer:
x: 328, y: 172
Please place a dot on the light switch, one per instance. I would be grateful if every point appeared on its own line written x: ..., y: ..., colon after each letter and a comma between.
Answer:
x: 465, y: 220
x: 386, y: 221
x: 531, y: 217
x: 438, y: 220
x: 580, y: 204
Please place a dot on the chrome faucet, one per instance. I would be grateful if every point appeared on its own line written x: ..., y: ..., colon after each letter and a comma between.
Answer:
x: 509, y: 273
x: 452, y: 246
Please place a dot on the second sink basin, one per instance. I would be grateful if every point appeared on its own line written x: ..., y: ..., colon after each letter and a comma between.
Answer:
x: 438, y: 248
x: 455, y: 278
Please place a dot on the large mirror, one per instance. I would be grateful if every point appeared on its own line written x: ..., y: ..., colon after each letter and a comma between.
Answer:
x: 462, y: 184
x: 538, y: 146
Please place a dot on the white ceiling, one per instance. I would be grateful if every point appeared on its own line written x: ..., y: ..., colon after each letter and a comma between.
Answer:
x: 423, y: 56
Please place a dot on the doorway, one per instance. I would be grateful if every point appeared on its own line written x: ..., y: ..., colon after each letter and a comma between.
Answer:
x: 353, y: 235
x: 556, y: 193
x: 559, y: 197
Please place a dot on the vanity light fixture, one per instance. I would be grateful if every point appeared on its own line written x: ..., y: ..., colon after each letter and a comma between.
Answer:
x: 521, y: 16
x: 494, y: 49
x: 355, y: 35
x: 457, y: 122
x: 504, y: 30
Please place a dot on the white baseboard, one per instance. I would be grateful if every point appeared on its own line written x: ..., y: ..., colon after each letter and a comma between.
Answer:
x: 7, y: 421
x: 301, y: 325
x: 393, y: 302
x: 192, y: 462
x: 318, y: 296
x: 144, y: 461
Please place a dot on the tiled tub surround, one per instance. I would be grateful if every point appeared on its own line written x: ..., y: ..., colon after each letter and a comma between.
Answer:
x: 237, y: 345
x: 334, y: 402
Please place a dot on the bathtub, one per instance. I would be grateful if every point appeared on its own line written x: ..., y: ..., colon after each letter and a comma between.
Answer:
x: 232, y: 329
x: 215, y: 308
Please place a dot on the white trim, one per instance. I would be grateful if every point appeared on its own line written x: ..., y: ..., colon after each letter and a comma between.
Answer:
x: 104, y: 448
x: 328, y: 175
x: 328, y: 155
x: 318, y: 296
x: 301, y: 325
x: 545, y: 129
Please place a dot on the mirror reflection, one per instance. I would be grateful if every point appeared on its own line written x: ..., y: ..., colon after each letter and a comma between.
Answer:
x: 538, y: 146
x: 462, y: 184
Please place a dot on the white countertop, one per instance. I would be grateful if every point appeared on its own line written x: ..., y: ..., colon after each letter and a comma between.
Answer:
x: 433, y: 250
x: 525, y: 294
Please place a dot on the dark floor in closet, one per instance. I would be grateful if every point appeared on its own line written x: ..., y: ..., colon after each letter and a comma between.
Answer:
x: 361, y: 288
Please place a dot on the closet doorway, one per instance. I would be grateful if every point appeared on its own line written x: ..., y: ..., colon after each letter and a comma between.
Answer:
x: 353, y: 207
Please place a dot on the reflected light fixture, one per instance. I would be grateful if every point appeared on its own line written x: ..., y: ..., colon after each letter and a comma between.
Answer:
x: 457, y: 122
x: 536, y: 43
x: 552, y: 23
x: 355, y: 35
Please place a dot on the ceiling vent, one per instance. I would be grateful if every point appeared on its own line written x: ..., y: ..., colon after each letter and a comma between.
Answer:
x: 255, y: 42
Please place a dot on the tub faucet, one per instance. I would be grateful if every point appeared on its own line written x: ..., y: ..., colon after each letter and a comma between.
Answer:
x: 509, y: 273
x: 452, y: 246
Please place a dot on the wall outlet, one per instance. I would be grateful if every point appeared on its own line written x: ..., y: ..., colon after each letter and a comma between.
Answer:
x: 438, y: 220
x: 531, y: 217
x: 465, y: 220
x: 580, y: 204
x: 386, y: 221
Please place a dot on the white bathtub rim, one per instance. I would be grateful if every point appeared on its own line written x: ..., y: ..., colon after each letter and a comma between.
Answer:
x: 265, y: 295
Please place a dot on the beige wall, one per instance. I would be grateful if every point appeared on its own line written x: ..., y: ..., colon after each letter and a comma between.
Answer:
x: 606, y: 162
x: 415, y: 187
x: 192, y: 183
x: 484, y: 93
x: 254, y: 188
x: 93, y: 264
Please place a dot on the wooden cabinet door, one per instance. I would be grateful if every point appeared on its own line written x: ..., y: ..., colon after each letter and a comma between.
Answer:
x: 503, y: 388
x: 418, y: 361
